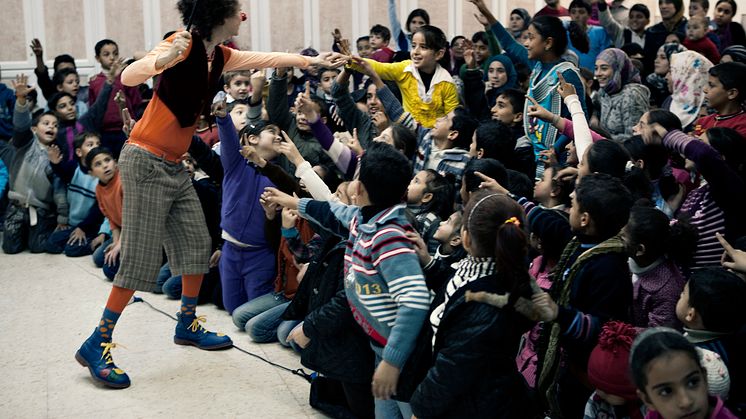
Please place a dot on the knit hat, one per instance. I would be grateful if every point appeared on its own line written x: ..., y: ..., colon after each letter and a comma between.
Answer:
x: 608, y: 366
x: 718, y: 378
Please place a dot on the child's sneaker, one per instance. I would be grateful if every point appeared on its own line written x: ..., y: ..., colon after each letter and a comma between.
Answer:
x: 189, y: 331
x: 96, y: 356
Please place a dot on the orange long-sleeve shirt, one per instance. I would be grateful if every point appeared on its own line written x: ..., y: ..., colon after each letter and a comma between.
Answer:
x: 159, y: 128
x: 109, y: 199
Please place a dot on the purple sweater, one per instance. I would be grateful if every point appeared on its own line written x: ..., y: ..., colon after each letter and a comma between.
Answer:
x: 655, y: 291
x: 344, y: 158
x: 715, y: 207
x: 242, y: 215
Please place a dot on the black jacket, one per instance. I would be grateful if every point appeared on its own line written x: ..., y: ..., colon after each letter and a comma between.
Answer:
x: 339, y: 348
x: 474, y: 374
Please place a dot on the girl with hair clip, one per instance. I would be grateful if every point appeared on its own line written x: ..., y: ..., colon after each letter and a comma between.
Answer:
x: 547, y: 43
x: 656, y: 249
x: 162, y: 209
x: 670, y: 379
x: 474, y: 343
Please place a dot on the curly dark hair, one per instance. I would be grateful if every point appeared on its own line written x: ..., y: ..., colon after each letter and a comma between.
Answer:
x: 209, y: 14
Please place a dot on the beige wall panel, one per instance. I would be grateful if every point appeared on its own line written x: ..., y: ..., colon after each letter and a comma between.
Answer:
x: 286, y: 27
x: 470, y: 24
x: 170, y: 17
x: 244, y: 34
x: 335, y: 14
x: 379, y: 13
x: 14, y: 42
x: 124, y: 25
x: 438, y: 11
x: 64, y: 25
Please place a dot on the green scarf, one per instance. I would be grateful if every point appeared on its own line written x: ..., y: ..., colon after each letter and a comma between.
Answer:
x: 549, y: 368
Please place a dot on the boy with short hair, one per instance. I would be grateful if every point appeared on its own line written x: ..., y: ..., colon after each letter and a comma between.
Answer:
x: 107, y: 54
x: 36, y: 199
x: 726, y: 92
x: 67, y: 80
x: 448, y: 234
x: 109, y: 195
x: 445, y: 147
x: 591, y: 285
x: 379, y: 44
x: 697, y: 40
x: 87, y: 231
x: 363, y: 46
x: 710, y: 309
x: 237, y: 85
x: 384, y: 283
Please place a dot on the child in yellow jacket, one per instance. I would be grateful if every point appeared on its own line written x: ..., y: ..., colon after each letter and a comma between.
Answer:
x: 428, y: 91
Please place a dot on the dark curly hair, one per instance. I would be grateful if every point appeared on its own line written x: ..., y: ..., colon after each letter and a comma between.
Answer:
x: 209, y: 14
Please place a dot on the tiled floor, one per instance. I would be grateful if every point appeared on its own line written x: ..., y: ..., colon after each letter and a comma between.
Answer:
x: 50, y: 304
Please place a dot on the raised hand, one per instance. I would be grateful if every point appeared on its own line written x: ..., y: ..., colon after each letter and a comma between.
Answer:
x: 116, y: 69
x: 304, y: 105
x: 419, y: 247
x: 330, y: 60
x: 20, y: 85
x: 564, y: 88
x: 54, y: 154
x: 289, y: 150
x: 249, y: 153
x: 535, y: 110
x: 36, y: 47
x: 380, y: 120
x: 289, y: 218
x: 469, y: 56
x: 179, y: 44
x: 128, y: 124
x: 280, y: 198
x: 490, y: 184
x: 258, y: 80
x: 219, y: 108
x: 354, y: 143
x: 270, y: 208
x: 732, y: 258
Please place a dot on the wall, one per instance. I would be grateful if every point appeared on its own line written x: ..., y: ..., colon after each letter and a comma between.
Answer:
x: 74, y: 26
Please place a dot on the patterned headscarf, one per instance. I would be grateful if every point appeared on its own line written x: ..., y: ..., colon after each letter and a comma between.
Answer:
x: 689, y: 73
x: 736, y: 52
x: 624, y: 71
x: 659, y: 81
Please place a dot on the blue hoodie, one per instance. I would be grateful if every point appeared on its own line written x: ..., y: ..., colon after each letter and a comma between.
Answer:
x: 242, y: 215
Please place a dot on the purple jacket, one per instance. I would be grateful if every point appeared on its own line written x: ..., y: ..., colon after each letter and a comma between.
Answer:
x: 242, y: 215
x: 654, y: 294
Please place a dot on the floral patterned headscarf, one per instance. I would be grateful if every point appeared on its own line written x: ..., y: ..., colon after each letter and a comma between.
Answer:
x: 624, y: 71
x: 689, y: 74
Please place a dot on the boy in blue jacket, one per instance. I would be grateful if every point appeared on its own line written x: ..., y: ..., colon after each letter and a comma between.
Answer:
x: 384, y: 284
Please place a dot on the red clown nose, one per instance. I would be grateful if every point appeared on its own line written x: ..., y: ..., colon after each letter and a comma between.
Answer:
x: 243, y: 17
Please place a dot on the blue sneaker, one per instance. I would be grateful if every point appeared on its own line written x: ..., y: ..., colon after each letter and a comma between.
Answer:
x: 196, y: 335
x: 96, y: 356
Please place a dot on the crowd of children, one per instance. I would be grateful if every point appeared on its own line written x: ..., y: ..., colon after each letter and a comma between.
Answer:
x: 539, y: 220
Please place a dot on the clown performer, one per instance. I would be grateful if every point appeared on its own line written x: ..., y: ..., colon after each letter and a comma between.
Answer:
x: 160, y: 207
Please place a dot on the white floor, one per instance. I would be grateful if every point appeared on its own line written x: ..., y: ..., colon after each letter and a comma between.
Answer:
x: 50, y: 304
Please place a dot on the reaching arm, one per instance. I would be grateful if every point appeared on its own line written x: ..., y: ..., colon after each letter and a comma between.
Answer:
x: 344, y: 158
x: 396, y: 29
x: 94, y: 119
x: 583, y: 135
x: 614, y: 29
x: 277, y: 104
